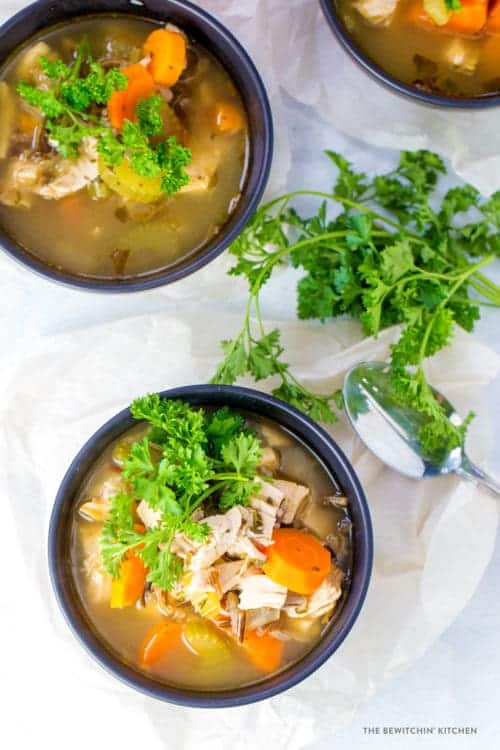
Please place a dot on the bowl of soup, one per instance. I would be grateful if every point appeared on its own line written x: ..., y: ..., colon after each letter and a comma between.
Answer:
x: 135, y: 141
x: 210, y: 546
x: 441, y: 52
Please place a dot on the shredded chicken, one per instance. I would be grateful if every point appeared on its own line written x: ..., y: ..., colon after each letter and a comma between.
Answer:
x: 72, y: 175
x: 148, y: 516
x: 97, y: 508
x: 243, y: 546
x: 259, y: 618
x: 223, y: 533
x: 230, y: 573
x: 294, y: 495
x: 260, y: 591
x: 321, y: 601
x: 50, y: 177
x: 267, y: 513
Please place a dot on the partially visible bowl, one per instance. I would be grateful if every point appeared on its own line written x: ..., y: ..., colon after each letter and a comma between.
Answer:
x: 389, y: 81
x: 205, y: 29
x: 336, y: 465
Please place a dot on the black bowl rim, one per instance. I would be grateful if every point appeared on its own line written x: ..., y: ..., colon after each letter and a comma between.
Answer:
x: 412, y: 92
x: 225, y: 238
x: 313, y: 435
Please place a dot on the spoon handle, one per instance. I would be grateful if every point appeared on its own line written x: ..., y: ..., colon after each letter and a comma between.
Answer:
x: 470, y: 471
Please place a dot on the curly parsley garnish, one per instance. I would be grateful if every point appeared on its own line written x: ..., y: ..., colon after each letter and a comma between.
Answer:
x: 394, y: 254
x: 73, y: 106
x: 187, y: 457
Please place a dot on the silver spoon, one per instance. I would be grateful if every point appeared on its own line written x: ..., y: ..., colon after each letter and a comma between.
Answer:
x: 390, y: 431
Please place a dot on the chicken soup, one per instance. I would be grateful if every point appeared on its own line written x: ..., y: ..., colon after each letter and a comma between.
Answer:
x: 123, y: 147
x: 449, y: 47
x: 210, y: 549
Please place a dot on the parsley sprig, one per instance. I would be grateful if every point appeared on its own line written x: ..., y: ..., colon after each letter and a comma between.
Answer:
x: 188, y: 457
x: 73, y: 106
x: 394, y: 254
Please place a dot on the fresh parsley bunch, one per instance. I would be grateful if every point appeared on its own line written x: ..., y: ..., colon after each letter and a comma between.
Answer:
x: 395, y: 254
x: 188, y: 457
x: 73, y: 106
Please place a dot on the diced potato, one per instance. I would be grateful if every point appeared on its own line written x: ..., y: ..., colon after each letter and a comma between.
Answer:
x: 377, y: 12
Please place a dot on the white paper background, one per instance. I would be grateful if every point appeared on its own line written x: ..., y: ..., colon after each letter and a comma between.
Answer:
x: 71, y: 360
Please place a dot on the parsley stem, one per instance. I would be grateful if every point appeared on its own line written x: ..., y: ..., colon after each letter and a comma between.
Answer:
x: 224, y: 479
x: 336, y: 199
x: 461, y: 280
x: 485, y: 291
x: 488, y: 282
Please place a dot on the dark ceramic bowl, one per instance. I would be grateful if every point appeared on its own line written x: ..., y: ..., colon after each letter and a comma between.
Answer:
x: 336, y: 465
x: 439, y: 100
x: 213, y: 36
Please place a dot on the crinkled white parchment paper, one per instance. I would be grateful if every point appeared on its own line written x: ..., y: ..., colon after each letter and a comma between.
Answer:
x: 69, y: 361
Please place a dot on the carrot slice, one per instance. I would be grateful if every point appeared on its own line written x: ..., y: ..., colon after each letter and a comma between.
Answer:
x: 126, y: 589
x: 493, y: 22
x: 228, y: 118
x: 159, y: 641
x: 168, y: 56
x: 297, y: 560
x: 122, y: 104
x: 264, y: 651
x: 469, y: 20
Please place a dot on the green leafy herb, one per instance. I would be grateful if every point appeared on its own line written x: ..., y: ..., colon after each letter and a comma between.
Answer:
x: 71, y: 115
x: 453, y: 4
x: 395, y: 254
x: 187, y: 457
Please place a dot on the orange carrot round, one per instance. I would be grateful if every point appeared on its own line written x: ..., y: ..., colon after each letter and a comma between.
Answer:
x: 264, y: 651
x: 161, y: 639
x: 297, y: 560
x: 469, y: 20
x: 228, y: 118
x: 168, y: 56
x: 122, y: 104
x: 127, y: 589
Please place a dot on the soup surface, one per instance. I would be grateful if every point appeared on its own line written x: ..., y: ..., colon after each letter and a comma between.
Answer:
x: 451, y: 52
x: 215, y: 610
x: 135, y: 193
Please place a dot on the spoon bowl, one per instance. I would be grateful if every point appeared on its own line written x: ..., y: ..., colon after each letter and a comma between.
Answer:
x: 391, y: 430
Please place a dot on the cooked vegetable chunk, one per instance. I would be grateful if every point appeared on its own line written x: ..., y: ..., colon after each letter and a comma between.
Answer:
x: 167, y: 48
x: 160, y: 640
x: 128, y: 587
x: 297, y: 561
